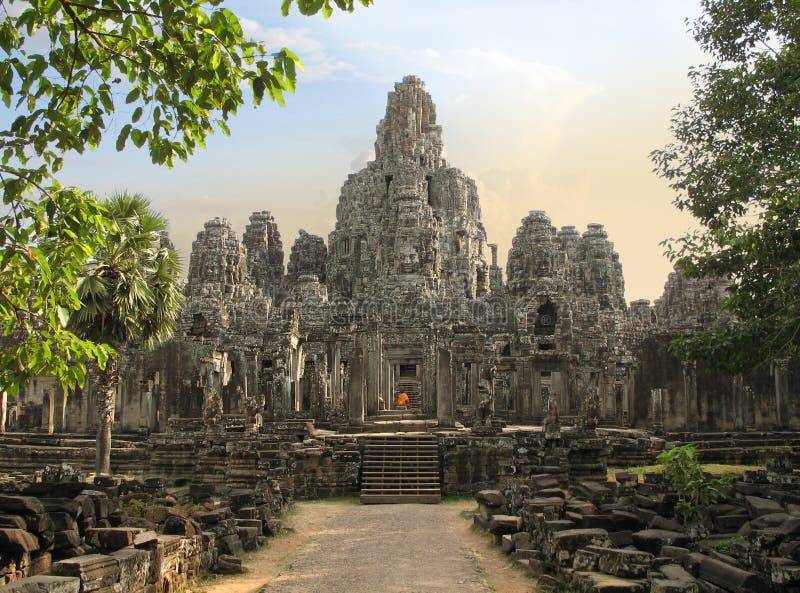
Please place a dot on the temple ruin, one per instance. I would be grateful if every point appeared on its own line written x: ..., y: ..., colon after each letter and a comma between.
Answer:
x: 407, y: 296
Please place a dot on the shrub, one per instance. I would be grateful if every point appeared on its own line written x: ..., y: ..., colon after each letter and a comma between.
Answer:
x: 696, y: 490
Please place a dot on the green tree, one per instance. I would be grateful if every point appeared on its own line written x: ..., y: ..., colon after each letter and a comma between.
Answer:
x: 129, y: 292
x: 735, y: 166
x: 166, y: 74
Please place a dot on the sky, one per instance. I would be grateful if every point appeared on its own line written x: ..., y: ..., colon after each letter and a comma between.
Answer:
x: 548, y: 105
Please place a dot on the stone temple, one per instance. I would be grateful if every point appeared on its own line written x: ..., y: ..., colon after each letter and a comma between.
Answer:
x: 406, y: 296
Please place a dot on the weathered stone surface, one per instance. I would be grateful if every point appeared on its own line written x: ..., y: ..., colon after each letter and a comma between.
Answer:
x: 17, y: 541
x: 111, y: 539
x: 43, y: 584
x: 597, y: 582
x: 134, y: 566
x: 26, y: 505
x: 758, y: 506
x: 505, y: 524
x: 652, y: 540
x: 492, y: 498
x: 624, y: 563
x: 724, y: 575
x: 567, y: 542
x: 94, y: 570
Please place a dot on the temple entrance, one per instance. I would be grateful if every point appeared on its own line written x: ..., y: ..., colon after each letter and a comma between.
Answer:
x: 405, y: 376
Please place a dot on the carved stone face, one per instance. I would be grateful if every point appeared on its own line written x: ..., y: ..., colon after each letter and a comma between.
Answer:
x: 408, y: 259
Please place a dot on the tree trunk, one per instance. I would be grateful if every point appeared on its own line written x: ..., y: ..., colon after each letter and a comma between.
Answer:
x: 106, y: 401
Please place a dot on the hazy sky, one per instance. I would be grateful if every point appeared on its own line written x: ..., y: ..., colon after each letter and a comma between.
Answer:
x: 547, y: 105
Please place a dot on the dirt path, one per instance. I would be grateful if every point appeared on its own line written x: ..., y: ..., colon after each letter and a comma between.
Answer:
x: 344, y: 547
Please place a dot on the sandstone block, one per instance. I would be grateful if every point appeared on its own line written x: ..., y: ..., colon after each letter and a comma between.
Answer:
x: 652, y: 540
x: 17, y: 541
x: 94, y: 570
x: 112, y: 538
x: 43, y: 584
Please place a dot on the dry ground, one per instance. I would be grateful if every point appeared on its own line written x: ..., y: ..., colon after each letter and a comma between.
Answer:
x: 340, y: 546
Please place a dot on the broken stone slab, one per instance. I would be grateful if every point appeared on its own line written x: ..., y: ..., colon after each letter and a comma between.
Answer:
x: 61, y: 505
x: 621, y: 539
x: 672, y: 586
x: 215, y: 516
x: 134, y: 566
x: 491, y: 498
x: 566, y: 543
x: 665, y: 523
x: 112, y: 538
x: 652, y: 540
x: 67, y: 538
x: 41, y: 563
x: 543, y: 482
x: 551, y: 507
x: 43, y: 584
x: 249, y: 537
x: 17, y: 541
x: 629, y: 564
x: 145, y: 539
x: 63, y: 521
x: 230, y: 544
x: 177, y: 525
x: 505, y: 524
x: 94, y: 570
x: 25, y: 505
x: 582, y: 508
x: 586, y: 559
x: 758, y: 506
x: 597, y: 582
x: 12, y: 522
x: 781, y: 572
x: 724, y: 575
x: 227, y: 564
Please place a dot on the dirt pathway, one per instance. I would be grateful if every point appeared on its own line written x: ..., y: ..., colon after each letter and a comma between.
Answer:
x: 343, y: 547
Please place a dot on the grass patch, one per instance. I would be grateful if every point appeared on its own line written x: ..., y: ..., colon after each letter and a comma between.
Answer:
x: 458, y: 499
x: 715, y: 469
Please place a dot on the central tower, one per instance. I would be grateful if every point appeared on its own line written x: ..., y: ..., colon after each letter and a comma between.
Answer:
x: 408, y: 223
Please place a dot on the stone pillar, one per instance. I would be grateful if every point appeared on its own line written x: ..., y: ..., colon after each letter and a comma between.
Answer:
x: 444, y: 390
x: 50, y: 410
x: 373, y: 372
x: 656, y: 409
x: 474, y: 377
x: 781, y: 389
x: 355, y: 404
x: 386, y: 385
x: 3, y: 410
x: 336, y: 376
x: 690, y: 391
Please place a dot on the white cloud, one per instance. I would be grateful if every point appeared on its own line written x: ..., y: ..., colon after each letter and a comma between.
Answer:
x: 317, y: 63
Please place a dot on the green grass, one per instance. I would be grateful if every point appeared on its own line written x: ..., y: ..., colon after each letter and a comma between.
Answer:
x: 712, y: 468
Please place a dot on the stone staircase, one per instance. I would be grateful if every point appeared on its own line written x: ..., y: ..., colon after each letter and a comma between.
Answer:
x: 401, y: 469
x: 739, y: 447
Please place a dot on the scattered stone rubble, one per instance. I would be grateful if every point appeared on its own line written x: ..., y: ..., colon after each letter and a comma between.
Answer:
x: 129, y: 536
x: 623, y: 536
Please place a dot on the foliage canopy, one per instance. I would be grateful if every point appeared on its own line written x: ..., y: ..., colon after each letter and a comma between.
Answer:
x: 160, y: 75
x: 734, y: 164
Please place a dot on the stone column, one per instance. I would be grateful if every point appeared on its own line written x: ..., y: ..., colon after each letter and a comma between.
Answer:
x: 690, y: 392
x: 444, y: 390
x: 373, y: 372
x: 336, y: 376
x: 355, y: 404
x: 474, y: 377
x: 51, y: 410
x: 781, y: 389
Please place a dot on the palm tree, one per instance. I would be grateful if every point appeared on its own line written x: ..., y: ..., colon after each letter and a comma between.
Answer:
x: 129, y: 292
